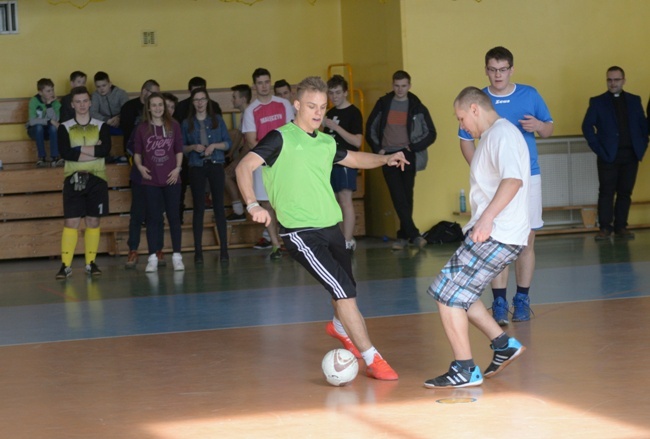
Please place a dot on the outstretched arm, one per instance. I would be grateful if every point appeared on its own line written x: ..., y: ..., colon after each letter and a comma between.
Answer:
x: 365, y: 160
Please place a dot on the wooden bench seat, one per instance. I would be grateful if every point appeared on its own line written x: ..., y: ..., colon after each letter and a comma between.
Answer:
x: 24, y: 151
x: 14, y: 111
x: 589, y: 215
x: 31, y: 216
x: 240, y: 234
x: 578, y: 207
x: 31, y: 207
x: 42, y: 237
x: 18, y: 151
x: 50, y: 205
x: 25, y: 178
x: 587, y: 212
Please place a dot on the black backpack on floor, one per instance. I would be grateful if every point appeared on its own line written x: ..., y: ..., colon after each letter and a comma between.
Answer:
x: 443, y: 232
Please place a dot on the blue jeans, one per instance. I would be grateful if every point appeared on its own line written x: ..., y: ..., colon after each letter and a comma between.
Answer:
x: 40, y: 133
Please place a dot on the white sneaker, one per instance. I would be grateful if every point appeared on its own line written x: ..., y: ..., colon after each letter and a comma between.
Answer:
x: 420, y: 242
x: 152, y: 264
x: 177, y: 262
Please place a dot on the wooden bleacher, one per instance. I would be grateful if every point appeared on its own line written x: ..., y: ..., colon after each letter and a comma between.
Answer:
x: 588, y: 214
x: 31, y: 206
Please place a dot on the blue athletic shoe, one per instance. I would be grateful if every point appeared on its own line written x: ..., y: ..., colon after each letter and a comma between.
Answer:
x: 500, y: 311
x: 503, y: 357
x: 521, y: 303
x: 456, y: 377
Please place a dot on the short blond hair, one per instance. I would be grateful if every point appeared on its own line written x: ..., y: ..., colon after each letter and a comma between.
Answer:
x: 311, y: 83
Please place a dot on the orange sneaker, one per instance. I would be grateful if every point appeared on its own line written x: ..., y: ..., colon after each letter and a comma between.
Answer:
x: 347, y: 343
x: 381, y: 370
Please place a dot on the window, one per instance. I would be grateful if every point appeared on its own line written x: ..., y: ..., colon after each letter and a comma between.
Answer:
x: 8, y: 18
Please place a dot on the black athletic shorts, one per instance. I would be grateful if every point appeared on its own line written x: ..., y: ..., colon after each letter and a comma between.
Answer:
x: 92, y: 201
x: 322, y: 252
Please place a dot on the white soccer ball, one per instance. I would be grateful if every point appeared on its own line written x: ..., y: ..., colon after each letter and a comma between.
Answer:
x: 340, y: 367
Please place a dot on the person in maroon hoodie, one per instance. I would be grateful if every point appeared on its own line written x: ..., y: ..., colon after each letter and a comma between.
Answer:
x: 158, y: 155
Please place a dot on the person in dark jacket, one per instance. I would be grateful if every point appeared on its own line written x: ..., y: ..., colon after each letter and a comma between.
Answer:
x: 400, y: 122
x: 616, y: 129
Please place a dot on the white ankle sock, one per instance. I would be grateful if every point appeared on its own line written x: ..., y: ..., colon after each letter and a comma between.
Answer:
x: 369, y: 355
x: 339, y: 326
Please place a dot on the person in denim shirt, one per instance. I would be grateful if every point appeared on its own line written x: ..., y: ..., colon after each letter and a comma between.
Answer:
x: 206, y: 138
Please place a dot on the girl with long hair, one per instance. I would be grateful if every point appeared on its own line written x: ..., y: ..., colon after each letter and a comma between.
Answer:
x: 206, y: 139
x: 158, y: 155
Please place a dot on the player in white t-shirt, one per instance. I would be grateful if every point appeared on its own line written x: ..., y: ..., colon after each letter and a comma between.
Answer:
x: 265, y: 114
x: 495, y: 235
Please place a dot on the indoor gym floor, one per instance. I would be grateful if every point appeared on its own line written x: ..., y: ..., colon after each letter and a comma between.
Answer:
x: 234, y: 350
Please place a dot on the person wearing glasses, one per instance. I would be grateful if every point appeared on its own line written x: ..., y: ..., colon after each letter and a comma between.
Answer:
x: 206, y: 139
x: 180, y: 114
x: 616, y: 129
x: 523, y: 106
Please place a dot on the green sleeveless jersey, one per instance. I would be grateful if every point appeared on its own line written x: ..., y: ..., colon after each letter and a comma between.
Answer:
x: 298, y: 183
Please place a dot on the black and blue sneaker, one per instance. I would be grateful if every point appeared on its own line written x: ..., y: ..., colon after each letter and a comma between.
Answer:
x: 456, y: 376
x: 503, y: 357
x: 500, y: 311
x: 521, y: 303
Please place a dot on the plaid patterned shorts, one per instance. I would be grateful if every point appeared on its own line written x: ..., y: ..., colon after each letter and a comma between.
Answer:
x: 463, y: 279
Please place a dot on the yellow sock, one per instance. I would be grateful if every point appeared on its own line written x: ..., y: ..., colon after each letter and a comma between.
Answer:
x: 68, y: 244
x: 93, y: 293
x: 91, y: 238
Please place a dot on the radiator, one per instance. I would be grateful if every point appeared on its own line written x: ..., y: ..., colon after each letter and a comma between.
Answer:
x: 569, y: 177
